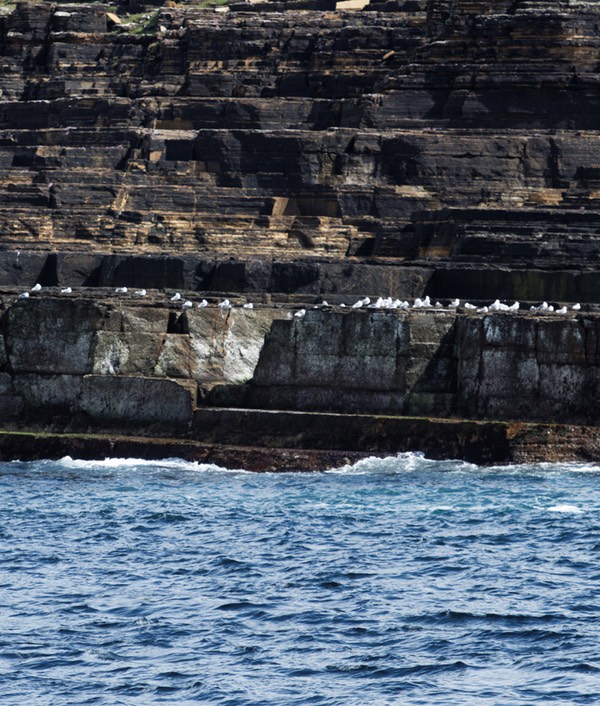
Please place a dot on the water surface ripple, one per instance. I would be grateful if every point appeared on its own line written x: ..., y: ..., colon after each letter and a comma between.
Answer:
x: 393, y: 581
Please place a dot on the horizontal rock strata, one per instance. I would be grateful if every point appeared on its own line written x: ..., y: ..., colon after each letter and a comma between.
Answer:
x: 355, y: 380
x: 454, y: 137
x: 294, y: 154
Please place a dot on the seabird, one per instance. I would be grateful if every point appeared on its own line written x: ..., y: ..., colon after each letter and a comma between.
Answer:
x: 23, y: 295
x: 187, y: 305
x: 454, y: 304
x: 300, y: 314
x: 202, y: 304
x: 576, y: 307
x: 249, y: 305
x: 470, y: 306
x: 141, y: 292
x: 514, y: 307
x: 562, y: 310
x: 357, y: 304
x: 176, y: 297
x: 225, y: 304
x: 36, y: 287
x: 482, y: 310
x: 66, y: 290
x: 121, y: 290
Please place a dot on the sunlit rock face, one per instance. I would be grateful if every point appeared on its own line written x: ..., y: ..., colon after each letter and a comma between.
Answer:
x: 271, y: 149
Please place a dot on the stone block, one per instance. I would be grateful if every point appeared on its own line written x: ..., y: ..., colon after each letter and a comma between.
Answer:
x: 225, y: 345
x: 52, y: 336
x: 49, y: 391
x: 147, y: 319
x: 138, y: 400
x: 126, y: 353
x: 174, y: 359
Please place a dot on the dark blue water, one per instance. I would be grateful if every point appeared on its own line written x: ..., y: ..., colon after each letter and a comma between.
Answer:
x: 396, y: 581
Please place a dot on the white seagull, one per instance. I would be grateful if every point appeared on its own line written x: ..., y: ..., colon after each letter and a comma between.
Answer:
x: 121, y: 290
x: 225, y: 304
x: 576, y: 307
x: 36, y: 287
x: 187, y: 305
x: 141, y: 292
x: 23, y: 295
x: 202, y: 304
x: 176, y: 297
x: 300, y: 314
x: 454, y: 304
x: 66, y: 290
x: 249, y: 305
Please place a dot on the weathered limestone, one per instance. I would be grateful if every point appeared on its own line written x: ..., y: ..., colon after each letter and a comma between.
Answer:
x: 448, y: 148
x: 452, y: 137
x: 106, y: 358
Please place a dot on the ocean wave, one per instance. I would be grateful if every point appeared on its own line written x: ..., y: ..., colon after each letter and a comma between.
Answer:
x: 172, y: 464
x: 566, y: 508
x: 405, y: 462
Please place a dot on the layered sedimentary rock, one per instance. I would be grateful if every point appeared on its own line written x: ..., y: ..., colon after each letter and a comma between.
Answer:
x: 287, y: 153
x: 150, y: 361
x: 453, y: 137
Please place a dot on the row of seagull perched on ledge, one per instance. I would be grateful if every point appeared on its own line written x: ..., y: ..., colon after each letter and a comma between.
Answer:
x: 225, y: 304
x: 380, y: 303
x: 389, y: 303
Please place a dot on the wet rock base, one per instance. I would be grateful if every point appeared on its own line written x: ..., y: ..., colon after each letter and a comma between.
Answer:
x: 285, y: 448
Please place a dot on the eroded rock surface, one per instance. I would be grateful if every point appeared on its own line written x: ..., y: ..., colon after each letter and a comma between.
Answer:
x: 116, y: 359
x: 287, y: 153
x: 269, y: 147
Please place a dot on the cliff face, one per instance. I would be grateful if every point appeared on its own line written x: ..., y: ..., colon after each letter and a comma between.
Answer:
x: 123, y: 361
x: 430, y: 140
x: 289, y: 152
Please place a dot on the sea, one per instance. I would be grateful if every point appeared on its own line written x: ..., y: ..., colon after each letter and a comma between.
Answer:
x: 391, y: 581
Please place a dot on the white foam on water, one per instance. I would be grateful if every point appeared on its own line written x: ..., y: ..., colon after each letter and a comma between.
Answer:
x: 405, y: 462
x: 175, y: 464
x: 566, y: 508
